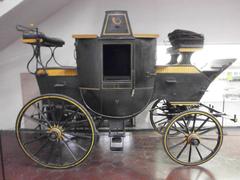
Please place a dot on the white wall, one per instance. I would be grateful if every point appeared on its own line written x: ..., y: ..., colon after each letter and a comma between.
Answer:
x: 5, y: 6
x: 217, y: 19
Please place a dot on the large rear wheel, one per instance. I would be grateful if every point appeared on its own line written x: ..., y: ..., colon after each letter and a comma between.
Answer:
x: 55, y: 131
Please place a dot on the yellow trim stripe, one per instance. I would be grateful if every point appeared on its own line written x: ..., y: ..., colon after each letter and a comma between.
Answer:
x: 84, y: 36
x: 146, y: 36
x: 94, y: 36
x: 189, y: 49
x: 57, y: 72
x: 31, y: 41
x: 184, y: 103
x: 176, y: 70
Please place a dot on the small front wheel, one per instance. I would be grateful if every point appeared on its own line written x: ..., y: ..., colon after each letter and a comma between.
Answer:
x: 55, y: 131
x: 199, y: 137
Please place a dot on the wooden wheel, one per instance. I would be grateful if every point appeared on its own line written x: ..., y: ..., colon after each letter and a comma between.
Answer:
x: 198, y: 140
x: 55, y: 131
x: 158, y: 116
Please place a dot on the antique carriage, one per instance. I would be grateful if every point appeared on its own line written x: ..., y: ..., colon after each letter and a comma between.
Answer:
x: 116, y: 79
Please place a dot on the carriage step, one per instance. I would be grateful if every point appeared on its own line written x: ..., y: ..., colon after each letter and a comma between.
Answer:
x: 116, y: 143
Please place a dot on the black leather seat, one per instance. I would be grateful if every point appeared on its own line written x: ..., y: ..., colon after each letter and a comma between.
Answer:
x: 45, y: 40
x: 185, y: 39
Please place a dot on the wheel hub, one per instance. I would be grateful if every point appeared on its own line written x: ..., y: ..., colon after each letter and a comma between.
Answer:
x: 56, y: 133
x: 193, y: 139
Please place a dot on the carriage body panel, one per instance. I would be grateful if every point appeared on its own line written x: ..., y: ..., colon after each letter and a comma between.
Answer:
x: 61, y: 81
x: 113, y: 79
x: 181, y: 85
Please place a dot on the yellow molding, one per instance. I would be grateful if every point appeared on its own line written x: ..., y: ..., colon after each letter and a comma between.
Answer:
x: 146, y: 36
x: 57, y: 72
x: 176, y: 69
x: 31, y: 41
x: 189, y: 49
x: 184, y: 103
x: 94, y: 36
x: 84, y: 36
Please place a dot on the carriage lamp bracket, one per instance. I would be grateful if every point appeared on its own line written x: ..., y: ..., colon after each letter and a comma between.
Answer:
x: 59, y: 87
x: 171, y: 81
x: 150, y: 74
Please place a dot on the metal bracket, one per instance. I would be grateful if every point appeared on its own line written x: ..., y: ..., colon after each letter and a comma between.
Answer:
x: 150, y: 74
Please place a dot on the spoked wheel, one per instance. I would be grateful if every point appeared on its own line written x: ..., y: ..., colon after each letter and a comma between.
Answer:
x: 158, y: 116
x: 55, y: 131
x: 197, y: 141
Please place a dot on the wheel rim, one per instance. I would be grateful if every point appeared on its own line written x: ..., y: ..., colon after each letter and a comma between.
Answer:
x: 199, y: 139
x: 55, y: 131
x: 158, y: 117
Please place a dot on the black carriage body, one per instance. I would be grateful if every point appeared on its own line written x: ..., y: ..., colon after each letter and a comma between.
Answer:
x: 179, y: 86
x: 113, y: 74
x: 116, y: 75
x: 60, y: 81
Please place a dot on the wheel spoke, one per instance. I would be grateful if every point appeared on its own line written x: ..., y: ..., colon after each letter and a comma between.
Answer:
x: 42, y: 115
x: 41, y: 148
x: 202, y: 125
x: 181, y: 125
x: 53, y: 110
x: 61, y: 116
x: 184, y: 147
x: 80, y: 136
x: 178, y: 144
x: 208, y: 138
x: 194, y: 121
x: 177, y: 129
x: 176, y: 137
x: 206, y: 147
x: 36, y: 120
x: 34, y: 140
x: 198, y: 152
x: 190, y: 153
x: 206, y: 130
x: 33, y: 130
x: 185, y: 125
x: 50, y: 152
x: 68, y: 148
x: 161, y: 120
x: 60, y: 153
x: 78, y: 145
